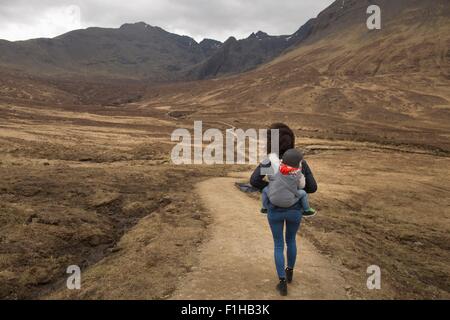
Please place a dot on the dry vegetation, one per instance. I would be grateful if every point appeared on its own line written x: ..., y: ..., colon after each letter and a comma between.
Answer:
x: 74, y: 183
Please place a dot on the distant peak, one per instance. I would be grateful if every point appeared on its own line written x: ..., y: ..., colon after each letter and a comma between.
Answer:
x: 208, y: 44
x: 137, y: 25
x: 259, y: 35
x: 210, y: 41
x: 231, y: 39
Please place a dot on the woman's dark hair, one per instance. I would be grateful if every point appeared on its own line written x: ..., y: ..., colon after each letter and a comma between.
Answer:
x: 286, y: 136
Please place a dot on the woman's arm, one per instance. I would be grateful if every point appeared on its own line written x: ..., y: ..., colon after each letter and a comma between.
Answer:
x: 311, y: 184
x: 257, y: 179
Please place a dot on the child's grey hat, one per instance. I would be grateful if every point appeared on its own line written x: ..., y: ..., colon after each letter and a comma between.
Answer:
x: 292, y: 158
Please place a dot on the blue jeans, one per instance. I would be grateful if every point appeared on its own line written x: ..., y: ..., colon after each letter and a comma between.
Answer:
x: 302, y: 194
x: 278, y: 218
x: 304, y: 200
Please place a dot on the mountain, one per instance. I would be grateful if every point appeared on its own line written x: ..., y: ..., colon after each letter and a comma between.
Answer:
x: 236, y: 56
x: 141, y: 51
x: 131, y: 51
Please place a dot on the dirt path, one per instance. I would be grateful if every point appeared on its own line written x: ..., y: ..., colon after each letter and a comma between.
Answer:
x: 237, y: 261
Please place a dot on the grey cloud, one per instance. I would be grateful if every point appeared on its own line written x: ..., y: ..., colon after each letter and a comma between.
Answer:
x: 198, y: 18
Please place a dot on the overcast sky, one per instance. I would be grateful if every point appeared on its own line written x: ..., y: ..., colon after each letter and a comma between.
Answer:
x: 217, y: 19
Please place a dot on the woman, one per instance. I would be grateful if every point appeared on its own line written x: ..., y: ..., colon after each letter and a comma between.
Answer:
x: 278, y: 217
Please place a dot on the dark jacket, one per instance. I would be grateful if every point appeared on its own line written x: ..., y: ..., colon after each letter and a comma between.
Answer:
x: 257, y: 180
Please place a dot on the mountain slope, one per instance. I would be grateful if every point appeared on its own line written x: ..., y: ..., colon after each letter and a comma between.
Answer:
x: 414, y: 38
x: 210, y: 46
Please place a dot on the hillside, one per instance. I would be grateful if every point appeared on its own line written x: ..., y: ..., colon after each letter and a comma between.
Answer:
x: 389, y: 85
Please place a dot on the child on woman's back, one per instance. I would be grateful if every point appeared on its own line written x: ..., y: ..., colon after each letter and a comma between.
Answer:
x: 286, y: 186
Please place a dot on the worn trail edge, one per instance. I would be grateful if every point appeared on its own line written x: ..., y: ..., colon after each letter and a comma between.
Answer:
x: 236, y: 262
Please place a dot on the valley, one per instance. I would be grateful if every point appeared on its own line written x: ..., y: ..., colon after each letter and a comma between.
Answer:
x: 87, y: 178
x: 117, y: 201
